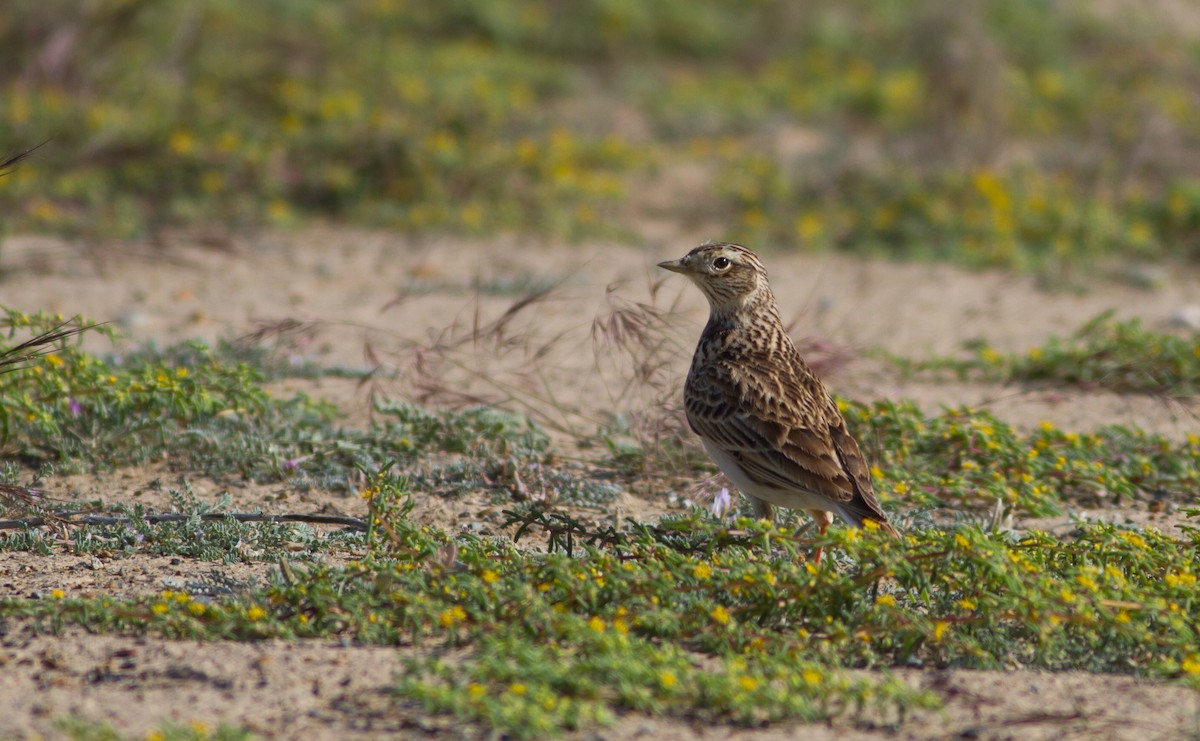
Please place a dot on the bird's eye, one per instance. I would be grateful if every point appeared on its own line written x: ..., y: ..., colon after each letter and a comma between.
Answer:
x: 721, y: 263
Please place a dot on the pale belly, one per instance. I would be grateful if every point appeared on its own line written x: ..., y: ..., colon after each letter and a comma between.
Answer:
x: 793, y: 498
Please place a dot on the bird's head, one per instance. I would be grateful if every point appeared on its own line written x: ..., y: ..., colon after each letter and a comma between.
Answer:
x: 730, y: 276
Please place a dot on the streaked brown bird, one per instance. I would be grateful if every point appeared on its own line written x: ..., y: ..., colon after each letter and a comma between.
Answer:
x: 765, y: 418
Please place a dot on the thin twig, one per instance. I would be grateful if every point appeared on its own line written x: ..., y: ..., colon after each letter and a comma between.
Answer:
x: 10, y: 161
x: 40, y: 345
x: 70, y: 519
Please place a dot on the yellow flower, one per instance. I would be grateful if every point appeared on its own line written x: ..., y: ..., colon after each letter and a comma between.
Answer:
x: 476, y: 690
x: 471, y: 215
x: 621, y: 626
x: 967, y: 603
x: 489, y: 576
x: 182, y: 142
x: 702, y: 571
x: 1178, y: 578
x: 748, y: 684
x: 939, y: 630
x: 961, y: 541
x: 871, y: 524
x: 596, y: 624
x: 517, y: 688
x: 278, y: 209
x: 1049, y: 83
x: 809, y: 226
x: 720, y: 614
x: 754, y: 218
x: 885, y: 599
x: 255, y: 614
x: 812, y: 677
x: 1134, y: 540
x: 57, y: 593
x: 667, y: 679
x: 196, y: 608
x: 159, y: 608
x: 1191, y: 665
x: 451, y: 616
x: 212, y: 181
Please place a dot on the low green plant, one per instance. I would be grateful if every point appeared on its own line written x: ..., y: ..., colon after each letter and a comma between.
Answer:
x: 204, y: 413
x: 78, y: 729
x: 1120, y: 356
x: 967, y: 459
x: 737, y: 626
x: 1006, y: 134
x: 1035, y: 219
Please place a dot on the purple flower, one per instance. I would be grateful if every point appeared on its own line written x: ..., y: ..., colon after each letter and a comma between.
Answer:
x: 74, y: 406
x: 291, y: 464
x: 721, y: 503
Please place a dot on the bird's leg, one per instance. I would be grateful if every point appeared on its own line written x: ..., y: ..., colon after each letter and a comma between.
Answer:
x: 823, y: 520
x: 821, y: 528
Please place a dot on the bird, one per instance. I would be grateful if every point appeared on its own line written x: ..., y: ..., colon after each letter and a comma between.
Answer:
x: 764, y: 417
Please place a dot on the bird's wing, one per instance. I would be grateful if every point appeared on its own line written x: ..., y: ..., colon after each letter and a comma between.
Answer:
x: 863, y: 503
x: 786, y: 432
x: 760, y: 421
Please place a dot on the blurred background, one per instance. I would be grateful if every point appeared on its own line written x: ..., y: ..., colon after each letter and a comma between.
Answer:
x: 1034, y: 134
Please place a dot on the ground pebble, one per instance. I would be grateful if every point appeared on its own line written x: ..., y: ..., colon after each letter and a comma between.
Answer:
x: 1187, y: 316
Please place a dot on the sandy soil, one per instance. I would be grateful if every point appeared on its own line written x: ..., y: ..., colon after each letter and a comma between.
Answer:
x: 401, y: 297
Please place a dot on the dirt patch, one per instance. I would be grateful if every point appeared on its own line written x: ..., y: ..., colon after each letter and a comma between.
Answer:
x: 310, y: 689
x: 358, y: 290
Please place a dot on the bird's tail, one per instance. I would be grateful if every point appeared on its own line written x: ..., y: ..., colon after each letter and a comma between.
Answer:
x: 859, y: 519
x: 886, y: 527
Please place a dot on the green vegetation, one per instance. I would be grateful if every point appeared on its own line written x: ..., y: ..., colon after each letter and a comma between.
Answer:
x: 199, y: 532
x: 688, y: 618
x: 1039, y: 136
x: 79, y: 730
x: 202, y: 411
x: 995, y: 133
x: 964, y: 459
x: 1102, y: 354
x: 691, y: 617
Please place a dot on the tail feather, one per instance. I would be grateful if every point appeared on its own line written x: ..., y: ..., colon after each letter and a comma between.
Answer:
x: 857, y: 516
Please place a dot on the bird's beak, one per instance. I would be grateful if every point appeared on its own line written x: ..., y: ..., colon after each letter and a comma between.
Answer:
x: 675, y: 266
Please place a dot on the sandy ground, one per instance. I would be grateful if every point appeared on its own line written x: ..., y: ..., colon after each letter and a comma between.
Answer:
x: 403, y: 297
